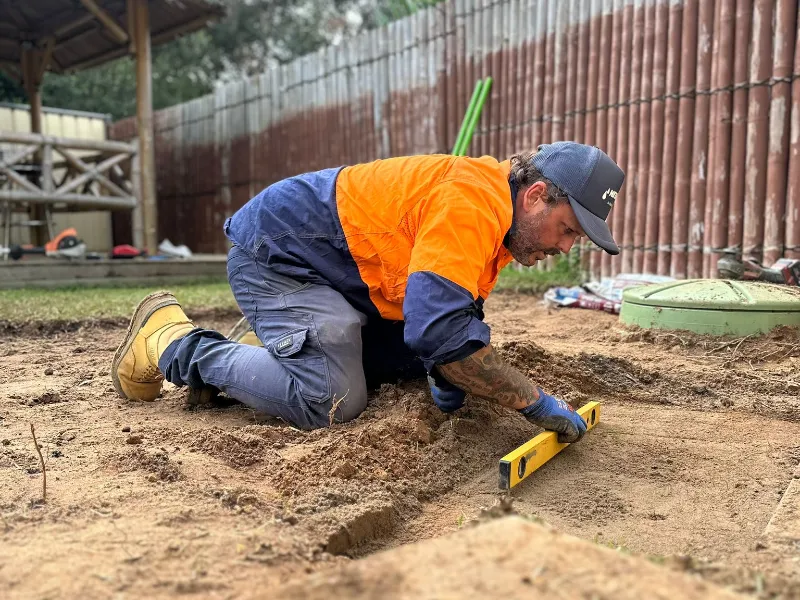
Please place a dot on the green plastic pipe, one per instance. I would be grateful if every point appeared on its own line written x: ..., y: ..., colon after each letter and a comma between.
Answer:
x: 470, y: 108
x: 476, y: 115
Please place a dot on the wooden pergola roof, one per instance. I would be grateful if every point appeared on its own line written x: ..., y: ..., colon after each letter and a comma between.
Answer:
x: 80, y: 34
x: 70, y: 35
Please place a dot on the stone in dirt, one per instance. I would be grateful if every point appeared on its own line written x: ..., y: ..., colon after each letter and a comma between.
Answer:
x: 504, y: 558
x: 49, y: 397
x: 134, y: 439
x: 345, y: 470
x: 423, y: 433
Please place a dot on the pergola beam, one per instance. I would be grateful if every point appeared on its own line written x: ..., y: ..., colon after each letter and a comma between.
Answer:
x: 16, y: 137
x: 144, y: 121
x: 98, y: 59
x: 34, y: 64
x: 79, y: 21
x: 179, y: 30
x: 107, y: 20
x: 45, y: 58
x: 64, y: 41
x: 82, y: 200
x: 158, y: 38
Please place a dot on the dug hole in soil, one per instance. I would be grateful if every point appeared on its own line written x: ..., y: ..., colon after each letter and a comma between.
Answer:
x: 698, y: 441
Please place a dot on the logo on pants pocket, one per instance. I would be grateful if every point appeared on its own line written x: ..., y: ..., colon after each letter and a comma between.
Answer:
x: 283, y: 343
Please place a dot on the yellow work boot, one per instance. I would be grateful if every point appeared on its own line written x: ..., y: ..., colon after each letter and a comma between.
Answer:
x: 157, y: 322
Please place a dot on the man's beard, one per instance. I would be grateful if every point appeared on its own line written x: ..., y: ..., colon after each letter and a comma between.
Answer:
x: 523, y: 239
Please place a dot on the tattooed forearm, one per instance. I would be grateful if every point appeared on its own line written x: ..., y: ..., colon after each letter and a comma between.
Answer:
x: 484, y: 374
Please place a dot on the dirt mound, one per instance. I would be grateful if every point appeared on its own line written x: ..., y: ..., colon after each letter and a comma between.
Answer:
x: 155, y: 462
x: 404, y: 443
x: 352, y: 484
x: 505, y: 558
x: 779, y: 344
x: 583, y: 376
x: 240, y: 447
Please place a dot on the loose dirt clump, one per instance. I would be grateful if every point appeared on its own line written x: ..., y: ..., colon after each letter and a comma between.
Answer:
x: 48, y: 397
x: 241, y: 447
x: 237, y: 499
x: 157, y: 463
x: 403, y: 442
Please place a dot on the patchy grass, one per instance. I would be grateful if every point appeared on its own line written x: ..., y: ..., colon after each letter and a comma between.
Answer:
x: 529, y: 280
x: 105, y: 302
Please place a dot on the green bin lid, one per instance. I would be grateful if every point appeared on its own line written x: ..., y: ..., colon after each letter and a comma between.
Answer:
x: 713, y: 306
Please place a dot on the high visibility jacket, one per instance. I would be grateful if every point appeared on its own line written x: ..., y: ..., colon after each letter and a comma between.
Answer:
x: 417, y: 239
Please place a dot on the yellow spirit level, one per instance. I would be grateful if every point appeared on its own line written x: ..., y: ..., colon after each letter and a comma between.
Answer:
x: 518, y: 464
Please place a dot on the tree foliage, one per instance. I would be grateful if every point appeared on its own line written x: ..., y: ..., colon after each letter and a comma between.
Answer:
x: 255, y: 35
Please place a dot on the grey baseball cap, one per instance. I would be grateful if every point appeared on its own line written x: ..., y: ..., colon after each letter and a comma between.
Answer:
x: 591, y: 181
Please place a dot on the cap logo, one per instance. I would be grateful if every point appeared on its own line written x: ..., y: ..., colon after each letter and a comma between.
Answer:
x: 612, y: 194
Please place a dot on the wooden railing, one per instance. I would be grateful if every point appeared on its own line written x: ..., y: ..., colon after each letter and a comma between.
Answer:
x: 64, y: 174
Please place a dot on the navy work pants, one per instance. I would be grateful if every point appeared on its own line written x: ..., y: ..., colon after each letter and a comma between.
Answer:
x: 318, y: 350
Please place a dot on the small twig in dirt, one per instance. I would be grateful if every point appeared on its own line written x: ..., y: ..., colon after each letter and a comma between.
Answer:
x: 764, y: 379
x: 737, y: 346
x: 124, y: 541
x: 683, y: 342
x: 727, y: 345
x: 336, y: 404
x: 774, y: 352
x: 41, y: 461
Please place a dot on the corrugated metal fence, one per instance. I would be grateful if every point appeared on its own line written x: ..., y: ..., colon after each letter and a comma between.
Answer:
x: 697, y: 100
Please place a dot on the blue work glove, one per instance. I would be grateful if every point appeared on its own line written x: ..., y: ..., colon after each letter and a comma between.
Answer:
x: 445, y: 395
x: 556, y: 415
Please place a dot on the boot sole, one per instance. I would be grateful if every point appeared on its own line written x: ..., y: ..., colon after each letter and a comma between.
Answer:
x: 143, y: 311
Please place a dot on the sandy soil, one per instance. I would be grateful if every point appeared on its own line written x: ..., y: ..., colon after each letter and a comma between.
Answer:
x: 699, y: 440
x: 511, y: 558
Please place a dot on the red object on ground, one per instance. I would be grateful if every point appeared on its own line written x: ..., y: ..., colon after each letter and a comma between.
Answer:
x: 126, y: 251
